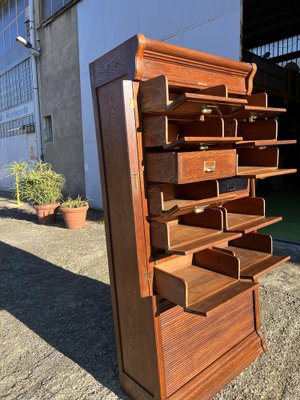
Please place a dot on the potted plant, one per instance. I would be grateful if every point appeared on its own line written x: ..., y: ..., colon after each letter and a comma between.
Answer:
x: 74, y: 212
x: 42, y: 187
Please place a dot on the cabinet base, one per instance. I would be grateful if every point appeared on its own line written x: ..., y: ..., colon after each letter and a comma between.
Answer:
x: 210, y: 381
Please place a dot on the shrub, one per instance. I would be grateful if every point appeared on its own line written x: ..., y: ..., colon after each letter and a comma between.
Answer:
x: 78, y: 202
x: 41, y: 185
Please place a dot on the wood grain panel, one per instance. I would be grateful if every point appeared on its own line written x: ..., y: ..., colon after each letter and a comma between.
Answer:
x: 189, y: 351
x: 124, y: 216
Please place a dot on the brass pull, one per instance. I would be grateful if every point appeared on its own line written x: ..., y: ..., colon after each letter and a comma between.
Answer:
x: 198, y: 209
x: 209, y: 166
x: 231, y: 187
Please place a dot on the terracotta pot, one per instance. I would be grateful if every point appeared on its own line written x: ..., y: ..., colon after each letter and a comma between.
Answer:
x: 74, y: 217
x: 46, y: 213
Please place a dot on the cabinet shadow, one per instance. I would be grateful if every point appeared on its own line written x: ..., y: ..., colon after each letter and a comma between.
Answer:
x: 69, y: 311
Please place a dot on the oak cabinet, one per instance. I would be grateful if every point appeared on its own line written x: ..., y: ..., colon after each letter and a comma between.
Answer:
x: 181, y: 140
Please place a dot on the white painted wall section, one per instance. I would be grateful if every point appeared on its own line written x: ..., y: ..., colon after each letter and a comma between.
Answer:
x: 212, y: 27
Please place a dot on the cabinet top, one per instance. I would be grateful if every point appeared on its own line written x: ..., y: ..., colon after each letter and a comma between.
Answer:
x: 140, y: 58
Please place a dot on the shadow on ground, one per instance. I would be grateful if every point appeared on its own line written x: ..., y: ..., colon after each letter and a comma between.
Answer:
x: 69, y: 311
x: 25, y: 215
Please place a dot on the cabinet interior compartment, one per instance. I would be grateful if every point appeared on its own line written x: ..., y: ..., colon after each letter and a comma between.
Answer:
x: 161, y: 131
x: 157, y: 97
x: 256, y: 108
x: 260, y: 163
x: 260, y: 133
x: 202, y: 282
x: 169, y: 199
x: 246, y: 215
x: 255, y: 253
x: 192, y: 166
x: 190, y: 232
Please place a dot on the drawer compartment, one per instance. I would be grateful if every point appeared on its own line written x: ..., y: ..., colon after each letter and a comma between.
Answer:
x: 190, y: 232
x: 158, y: 131
x: 202, y: 282
x: 169, y: 199
x: 254, y: 252
x: 187, y: 167
x: 246, y: 215
x: 260, y: 163
x: 260, y: 133
x: 158, y: 97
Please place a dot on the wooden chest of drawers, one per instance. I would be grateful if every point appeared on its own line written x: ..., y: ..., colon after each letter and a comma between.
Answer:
x: 181, y: 141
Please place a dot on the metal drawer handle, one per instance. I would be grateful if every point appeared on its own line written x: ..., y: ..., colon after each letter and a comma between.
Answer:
x: 209, y: 166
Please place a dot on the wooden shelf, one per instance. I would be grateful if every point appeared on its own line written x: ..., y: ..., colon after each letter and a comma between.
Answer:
x: 263, y: 172
x: 193, y: 141
x: 190, y: 232
x: 254, y: 252
x: 263, y: 143
x: 246, y: 215
x: 202, y: 283
x: 156, y: 97
x: 250, y: 111
x: 170, y: 199
x: 260, y: 163
x: 160, y: 131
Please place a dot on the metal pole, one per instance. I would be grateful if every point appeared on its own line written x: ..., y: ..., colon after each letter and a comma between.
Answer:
x: 35, y: 82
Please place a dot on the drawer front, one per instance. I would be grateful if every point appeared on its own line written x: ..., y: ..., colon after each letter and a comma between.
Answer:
x: 206, y: 165
x: 233, y: 185
x: 187, y: 352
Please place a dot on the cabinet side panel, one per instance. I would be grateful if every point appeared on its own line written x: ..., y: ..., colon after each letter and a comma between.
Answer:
x: 192, y: 342
x: 123, y: 214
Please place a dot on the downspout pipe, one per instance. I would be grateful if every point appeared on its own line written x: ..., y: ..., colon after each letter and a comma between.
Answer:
x: 35, y: 82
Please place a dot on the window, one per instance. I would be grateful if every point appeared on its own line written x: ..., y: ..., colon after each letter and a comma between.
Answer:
x: 52, y: 6
x: 19, y: 126
x: 16, y: 85
x: 282, y: 51
x: 47, y: 129
x: 12, y: 23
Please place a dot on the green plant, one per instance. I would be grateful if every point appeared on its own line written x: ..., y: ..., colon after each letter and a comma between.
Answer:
x: 41, y: 185
x: 70, y: 202
x: 15, y: 169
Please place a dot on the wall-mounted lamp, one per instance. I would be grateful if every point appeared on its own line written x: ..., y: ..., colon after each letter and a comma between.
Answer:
x: 28, y: 45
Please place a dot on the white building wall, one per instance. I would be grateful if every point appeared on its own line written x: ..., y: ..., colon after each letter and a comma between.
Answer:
x: 212, y: 27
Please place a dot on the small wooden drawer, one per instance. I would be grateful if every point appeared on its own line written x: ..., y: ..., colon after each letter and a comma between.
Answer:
x: 187, y: 167
x: 168, y: 199
x: 260, y: 163
x: 190, y: 232
x: 254, y: 252
x: 246, y: 215
x: 158, y: 131
x: 157, y: 97
x: 201, y: 282
x: 237, y: 186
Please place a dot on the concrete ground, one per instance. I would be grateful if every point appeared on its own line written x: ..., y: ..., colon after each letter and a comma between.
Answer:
x: 56, y: 331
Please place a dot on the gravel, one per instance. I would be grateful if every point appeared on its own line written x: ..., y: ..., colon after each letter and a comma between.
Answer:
x: 56, y: 331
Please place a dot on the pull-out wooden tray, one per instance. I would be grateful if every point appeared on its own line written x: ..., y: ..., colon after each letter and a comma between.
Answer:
x: 188, y: 167
x: 169, y: 199
x: 156, y: 97
x: 190, y: 232
x: 260, y: 134
x: 246, y: 215
x: 202, y: 282
x: 158, y: 131
x: 249, y: 111
x: 260, y: 163
x: 254, y: 252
